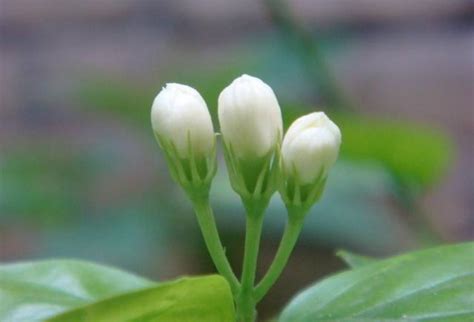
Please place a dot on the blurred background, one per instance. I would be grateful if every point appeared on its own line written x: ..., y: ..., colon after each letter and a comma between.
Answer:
x: 82, y: 177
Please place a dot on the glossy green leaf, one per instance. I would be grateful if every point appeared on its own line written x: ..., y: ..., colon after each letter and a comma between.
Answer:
x: 68, y: 290
x: 186, y: 300
x: 354, y: 260
x: 33, y: 291
x: 436, y: 284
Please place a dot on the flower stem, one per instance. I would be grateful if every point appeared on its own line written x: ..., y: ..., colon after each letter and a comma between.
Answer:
x: 214, y: 246
x: 287, y: 243
x: 246, y: 301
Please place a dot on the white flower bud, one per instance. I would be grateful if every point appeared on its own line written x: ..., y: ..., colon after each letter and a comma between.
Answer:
x: 179, y: 115
x: 310, y: 147
x: 249, y: 117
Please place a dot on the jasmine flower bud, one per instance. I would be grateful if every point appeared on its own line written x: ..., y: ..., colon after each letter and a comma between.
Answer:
x: 310, y: 148
x: 183, y: 127
x: 251, y: 126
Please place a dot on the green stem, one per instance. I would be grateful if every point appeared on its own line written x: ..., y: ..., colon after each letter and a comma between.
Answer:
x: 287, y: 243
x: 246, y: 301
x: 214, y: 246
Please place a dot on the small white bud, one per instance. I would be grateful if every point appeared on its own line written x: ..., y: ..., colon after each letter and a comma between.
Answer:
x: 249, y: 117
x: 179, y: 115
x: 310, y: 147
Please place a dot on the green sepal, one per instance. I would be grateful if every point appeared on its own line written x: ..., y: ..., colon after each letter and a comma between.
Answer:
x: 298, y: 197
x: 266, y: 182
x: 194, y: 175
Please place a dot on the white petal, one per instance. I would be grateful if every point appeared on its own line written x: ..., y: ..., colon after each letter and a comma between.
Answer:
x: 249, y: 117
x: 178, y: 113
x: 310, y: 147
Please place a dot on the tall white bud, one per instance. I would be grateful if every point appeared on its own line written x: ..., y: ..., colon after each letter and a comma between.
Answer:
x: 180, y: 116
x: 310, y: 148
x: 249, y: 117
x: 251, y: 127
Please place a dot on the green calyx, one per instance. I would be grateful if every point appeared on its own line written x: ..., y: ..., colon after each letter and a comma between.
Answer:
x: 300, y: 196
x: 194, y: 173
x: 255, y: 179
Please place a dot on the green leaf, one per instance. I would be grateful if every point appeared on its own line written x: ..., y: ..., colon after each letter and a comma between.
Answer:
x: 33, y: 291
x: 205, y: 298
x: 69, y: 290
x: 354, y: 260
x: 430, y: 285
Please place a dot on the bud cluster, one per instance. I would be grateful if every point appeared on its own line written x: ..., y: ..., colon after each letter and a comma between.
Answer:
x: 259, y: 161
x: 251, y: 125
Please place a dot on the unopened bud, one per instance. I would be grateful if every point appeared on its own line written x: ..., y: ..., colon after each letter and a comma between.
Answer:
x: 183, y: 127
x: 251, y: 126
x: 310, y: 148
